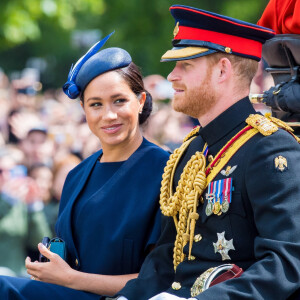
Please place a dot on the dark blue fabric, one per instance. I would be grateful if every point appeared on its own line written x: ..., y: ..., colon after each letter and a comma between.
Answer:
x: 105, y: 60
x: 117, y: 223
x: 12, y: 288
x: 100, y: 174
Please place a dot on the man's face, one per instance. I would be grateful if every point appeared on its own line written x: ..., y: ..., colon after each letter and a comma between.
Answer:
x: 194, y: 93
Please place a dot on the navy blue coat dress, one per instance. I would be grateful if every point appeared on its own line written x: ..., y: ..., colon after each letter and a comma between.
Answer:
x: 107, y: 229
x: 262, y: 222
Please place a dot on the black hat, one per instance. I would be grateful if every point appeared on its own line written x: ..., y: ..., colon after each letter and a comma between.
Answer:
x: 199, y: 32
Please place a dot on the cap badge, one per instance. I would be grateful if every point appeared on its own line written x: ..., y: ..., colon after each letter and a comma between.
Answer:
x: 280, y: 163
x: 222, y: 246
x: 227, y: 49
x: 176, y: 29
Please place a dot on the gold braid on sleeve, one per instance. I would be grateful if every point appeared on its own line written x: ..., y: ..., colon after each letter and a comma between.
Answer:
x: 185, y: 200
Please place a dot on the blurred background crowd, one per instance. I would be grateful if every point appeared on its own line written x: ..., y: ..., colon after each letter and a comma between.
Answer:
x: 43, y: 134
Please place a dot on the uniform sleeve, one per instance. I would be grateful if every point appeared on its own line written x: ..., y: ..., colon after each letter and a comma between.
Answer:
x: 272, y: 183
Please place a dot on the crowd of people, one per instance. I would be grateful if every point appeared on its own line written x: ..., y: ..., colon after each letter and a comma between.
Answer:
x: 226, y: 201
x: 40, y: 143
x: 43, y: 136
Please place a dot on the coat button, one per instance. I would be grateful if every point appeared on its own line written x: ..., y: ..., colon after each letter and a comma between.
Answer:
x: 197, y: 238
x: 76, y: 262
x: 176, y: 286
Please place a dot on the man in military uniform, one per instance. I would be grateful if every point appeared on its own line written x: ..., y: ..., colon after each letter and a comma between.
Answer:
x: 230, y: 194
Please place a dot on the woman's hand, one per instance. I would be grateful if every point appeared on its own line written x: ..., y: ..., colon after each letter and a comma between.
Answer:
x: 55, y: 271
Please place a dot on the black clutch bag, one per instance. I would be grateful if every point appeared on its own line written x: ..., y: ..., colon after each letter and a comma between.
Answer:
x: 55, y: 245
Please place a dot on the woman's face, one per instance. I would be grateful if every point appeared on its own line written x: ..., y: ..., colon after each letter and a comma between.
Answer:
x: 112, y: 110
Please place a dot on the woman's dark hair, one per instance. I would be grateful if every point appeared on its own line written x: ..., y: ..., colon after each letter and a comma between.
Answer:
x: 132, y: 75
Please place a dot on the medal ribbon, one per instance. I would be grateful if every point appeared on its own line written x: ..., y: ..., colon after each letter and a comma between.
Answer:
x: 219, y: 193
x: 214, y: 191
x: 229, y: 189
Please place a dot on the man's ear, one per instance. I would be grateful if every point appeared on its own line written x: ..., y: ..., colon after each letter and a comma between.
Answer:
x: 225, y: 69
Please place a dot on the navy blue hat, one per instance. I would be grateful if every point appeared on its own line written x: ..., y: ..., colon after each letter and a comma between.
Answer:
x: 199, y: 32
x: 93, y: 64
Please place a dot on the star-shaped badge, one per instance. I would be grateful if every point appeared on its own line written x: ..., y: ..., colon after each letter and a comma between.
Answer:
x: 223, y: 246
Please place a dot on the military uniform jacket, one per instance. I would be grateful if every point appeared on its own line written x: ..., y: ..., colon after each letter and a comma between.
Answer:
x: 263, y: 221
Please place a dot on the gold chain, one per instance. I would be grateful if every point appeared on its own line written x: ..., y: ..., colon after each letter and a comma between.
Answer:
x: 186, y: 197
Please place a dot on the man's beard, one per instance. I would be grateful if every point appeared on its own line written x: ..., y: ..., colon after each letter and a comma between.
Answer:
x: 197, y: 101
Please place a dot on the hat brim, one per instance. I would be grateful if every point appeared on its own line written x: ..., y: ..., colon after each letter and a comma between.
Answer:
x: 183, y: 53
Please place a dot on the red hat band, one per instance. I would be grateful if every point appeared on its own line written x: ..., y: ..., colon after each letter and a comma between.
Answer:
x: 236, y: 44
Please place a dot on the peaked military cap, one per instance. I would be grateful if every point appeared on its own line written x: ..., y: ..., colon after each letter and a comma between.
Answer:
x: 199, y: 32
x: 93, y: 64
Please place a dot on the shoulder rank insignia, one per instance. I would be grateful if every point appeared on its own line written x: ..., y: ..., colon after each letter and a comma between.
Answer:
x: 280, y: 163
x: 228, y: 170
x: 262, y: 124
x: 279, y: 123
x: 222, y: 246
x: 283, y: 125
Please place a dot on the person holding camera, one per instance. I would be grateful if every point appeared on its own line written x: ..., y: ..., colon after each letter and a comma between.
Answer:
x: 109, y: 217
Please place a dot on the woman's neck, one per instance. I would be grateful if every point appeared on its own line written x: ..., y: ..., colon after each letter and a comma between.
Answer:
x: 121, y: 152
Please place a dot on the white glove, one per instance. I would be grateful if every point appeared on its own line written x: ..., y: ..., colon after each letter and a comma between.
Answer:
x: 121, y: 298
x: 166, y: 296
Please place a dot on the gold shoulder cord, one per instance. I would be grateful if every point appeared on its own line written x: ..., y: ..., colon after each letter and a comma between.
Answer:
x: 185, y: 199
x: 193, y: 181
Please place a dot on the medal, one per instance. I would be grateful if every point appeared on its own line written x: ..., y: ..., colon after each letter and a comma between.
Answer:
x: 222, y: 246
x: 216, y: 207
x: 218, y: 196
x: 209, y: 208
x: 225, y: 206
x: 210, y: 196
x: 226, y: 195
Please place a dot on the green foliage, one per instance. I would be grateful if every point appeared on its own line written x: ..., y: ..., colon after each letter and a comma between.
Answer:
x: 43, y: 28
x: 249, y: 10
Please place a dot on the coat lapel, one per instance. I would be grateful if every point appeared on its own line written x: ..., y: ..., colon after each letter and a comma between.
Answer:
x: 69, y: 207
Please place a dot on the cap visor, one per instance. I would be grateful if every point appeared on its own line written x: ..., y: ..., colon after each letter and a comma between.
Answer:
x: 181, y: 53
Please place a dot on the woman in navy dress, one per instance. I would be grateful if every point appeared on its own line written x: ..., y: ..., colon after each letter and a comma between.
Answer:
x: 109, y: 213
